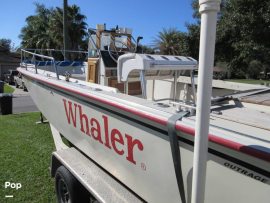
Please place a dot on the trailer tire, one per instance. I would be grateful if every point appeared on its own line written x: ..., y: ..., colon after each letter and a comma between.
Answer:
x: 68, y: 188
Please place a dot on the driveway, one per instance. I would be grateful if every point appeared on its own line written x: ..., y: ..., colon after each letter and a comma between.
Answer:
x: 22, y: 102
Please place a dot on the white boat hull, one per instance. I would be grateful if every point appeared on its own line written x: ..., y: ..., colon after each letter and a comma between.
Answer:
x: 139, y: 155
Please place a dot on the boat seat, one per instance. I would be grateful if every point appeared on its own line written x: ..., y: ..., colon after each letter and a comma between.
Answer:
x: 77, y: 63
x: 64, y: 63
x: 48, y: 63
x: 26, y: 61
x: 42, y: 63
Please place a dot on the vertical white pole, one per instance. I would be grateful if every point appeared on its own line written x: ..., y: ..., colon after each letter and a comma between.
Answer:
x: 208, y: 10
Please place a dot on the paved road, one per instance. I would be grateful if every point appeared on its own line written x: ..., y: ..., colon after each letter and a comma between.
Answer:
x: 22, y: 102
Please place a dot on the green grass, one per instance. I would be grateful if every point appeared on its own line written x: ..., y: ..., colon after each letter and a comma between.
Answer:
x: 249, y: 81
x: 25, y: 152
x: 8, y: 89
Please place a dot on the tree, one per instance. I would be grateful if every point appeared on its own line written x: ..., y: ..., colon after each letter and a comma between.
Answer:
x: 254, y: 69
x: 171, y: 41
x: 5, y: 45
x: 44, y: 30
x: 77, y: 27
x: 193, y: 40
x: 36, y: 33
x: 243, y: 35
x: 147, y: 49
x: 243, y: 30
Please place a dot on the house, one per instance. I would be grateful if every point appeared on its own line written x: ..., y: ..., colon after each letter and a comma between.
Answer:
x: 8, y: 61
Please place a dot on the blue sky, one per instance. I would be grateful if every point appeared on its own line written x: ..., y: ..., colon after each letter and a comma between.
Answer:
x: 145, y: 17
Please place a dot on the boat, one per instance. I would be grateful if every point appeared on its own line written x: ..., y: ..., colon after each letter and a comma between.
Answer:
x: 118, y: 118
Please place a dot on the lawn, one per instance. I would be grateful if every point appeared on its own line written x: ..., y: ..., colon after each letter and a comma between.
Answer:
x: 8, y: 89
x: 250, y: 81
x: 25, y: 151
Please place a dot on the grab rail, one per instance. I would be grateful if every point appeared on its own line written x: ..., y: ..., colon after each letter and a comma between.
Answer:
x: 23, y: 51
x: 57, y: 50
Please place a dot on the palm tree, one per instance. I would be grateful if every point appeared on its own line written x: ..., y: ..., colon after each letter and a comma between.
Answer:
x: 76, y: 27
x: 36, y: 33
x: 171, y: 41
x: 44, y: 30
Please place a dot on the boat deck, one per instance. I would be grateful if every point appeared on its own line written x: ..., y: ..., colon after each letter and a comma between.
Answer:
x: 261, y: 99
x: 246, y: 126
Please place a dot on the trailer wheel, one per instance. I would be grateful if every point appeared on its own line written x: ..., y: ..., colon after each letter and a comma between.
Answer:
x: 68, y: 188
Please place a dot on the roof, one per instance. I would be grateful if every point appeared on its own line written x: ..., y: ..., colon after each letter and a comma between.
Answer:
x: 8, y: 58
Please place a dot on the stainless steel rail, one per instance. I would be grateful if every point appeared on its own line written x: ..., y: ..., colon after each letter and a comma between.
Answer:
x: 23, y: 52
x: 57, y: 50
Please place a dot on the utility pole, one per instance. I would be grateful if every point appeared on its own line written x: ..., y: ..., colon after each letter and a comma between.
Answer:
x: 65, y: 34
